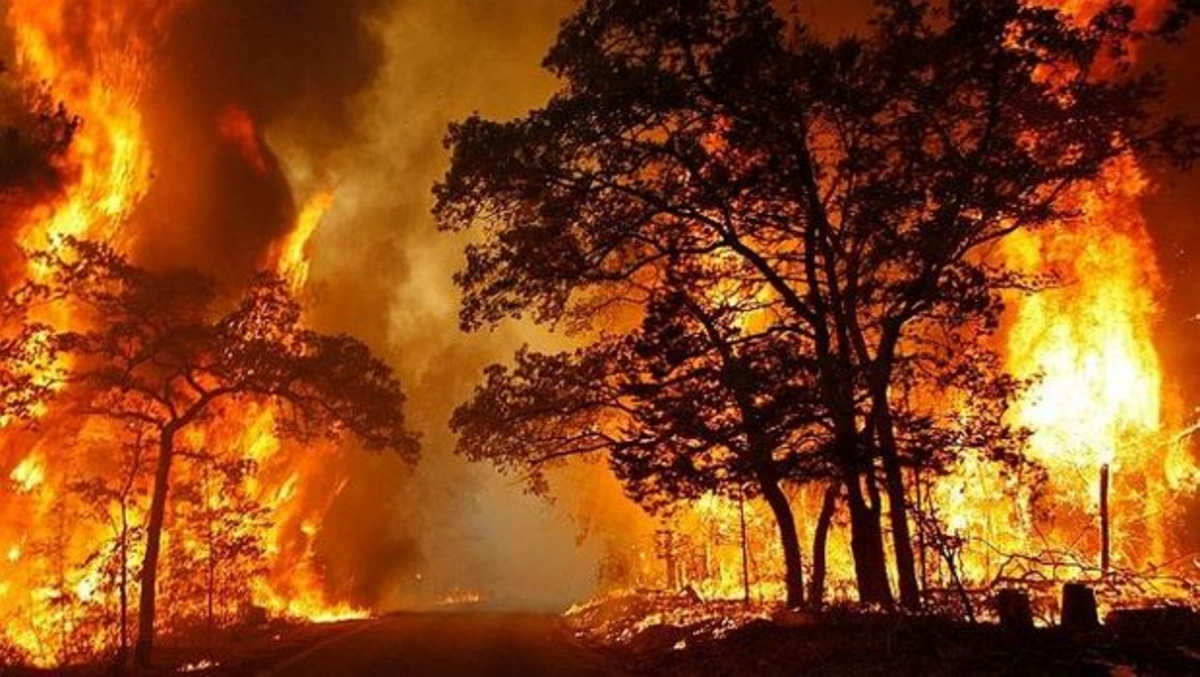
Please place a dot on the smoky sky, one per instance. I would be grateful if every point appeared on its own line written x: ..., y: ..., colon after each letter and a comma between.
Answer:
x: 273, y: 62
x: 355, y: 97
x: 255, y: 106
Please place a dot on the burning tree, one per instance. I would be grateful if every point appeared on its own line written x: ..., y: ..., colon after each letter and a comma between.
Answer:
x: 99, y: 494
x: 865, y: 182
x: 35, y: 132
x: 34, y: 135
x: 160, y: 352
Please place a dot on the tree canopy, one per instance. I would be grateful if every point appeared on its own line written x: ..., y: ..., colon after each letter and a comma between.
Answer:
x: 690, y: 402
x: 862, y: 183
x: 159, y: 351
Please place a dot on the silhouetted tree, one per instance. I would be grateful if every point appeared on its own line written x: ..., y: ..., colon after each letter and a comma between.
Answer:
x: 863, y: 180
x: 692, y: 401
x: 161, y: 350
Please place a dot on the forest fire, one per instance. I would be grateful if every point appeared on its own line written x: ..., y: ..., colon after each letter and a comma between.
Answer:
x: 885, y: 341
x: 1115, y: 451
x: 1020, y: 431
x: 253, y: 503
x: 1097, y: 408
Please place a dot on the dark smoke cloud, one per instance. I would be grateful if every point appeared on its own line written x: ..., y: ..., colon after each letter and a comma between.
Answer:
x: 295, y: 63
x: 384, y: 272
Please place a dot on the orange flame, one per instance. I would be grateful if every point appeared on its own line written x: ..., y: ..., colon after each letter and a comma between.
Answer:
x: 102, y: 81
x: 56, y: 596
x: 1096, y: 403
x: 293, y: 262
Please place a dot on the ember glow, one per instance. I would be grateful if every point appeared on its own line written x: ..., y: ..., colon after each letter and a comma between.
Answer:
x: 1098, y: 403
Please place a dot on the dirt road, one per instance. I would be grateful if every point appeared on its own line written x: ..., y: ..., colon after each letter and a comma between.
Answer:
x: 437, y: 645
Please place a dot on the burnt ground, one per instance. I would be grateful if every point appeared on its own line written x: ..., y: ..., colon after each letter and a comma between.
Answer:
x: 660, y: 635
x: 234, y: 652
x: 845, y: 643
x: 446, y: 644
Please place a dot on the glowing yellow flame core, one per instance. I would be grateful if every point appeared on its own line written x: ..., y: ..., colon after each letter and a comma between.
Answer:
x: 1090, y: 346
x: 29, y: 474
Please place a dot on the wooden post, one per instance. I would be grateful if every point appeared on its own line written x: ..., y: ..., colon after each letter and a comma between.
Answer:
x: 664, y: 541
x: 1104, y: 522
x: 745, y: 552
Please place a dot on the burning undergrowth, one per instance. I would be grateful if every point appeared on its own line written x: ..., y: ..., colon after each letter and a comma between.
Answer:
x: 657, y: 634
x: 622, y: 618
x: 123, y: 179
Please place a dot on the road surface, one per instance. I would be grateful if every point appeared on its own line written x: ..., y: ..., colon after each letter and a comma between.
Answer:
x: 447, y: 645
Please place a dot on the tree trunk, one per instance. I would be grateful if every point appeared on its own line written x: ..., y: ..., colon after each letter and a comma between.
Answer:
x: 789, y: 539
x: 158, y: 511
x: 60, y: 551
x: 922, y: 547
x: 866, y: 543
x: 209, y: 538
x: 885, y: 437
x: 212, y: 582
x: 816, y: 594
x: 906, y: 567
